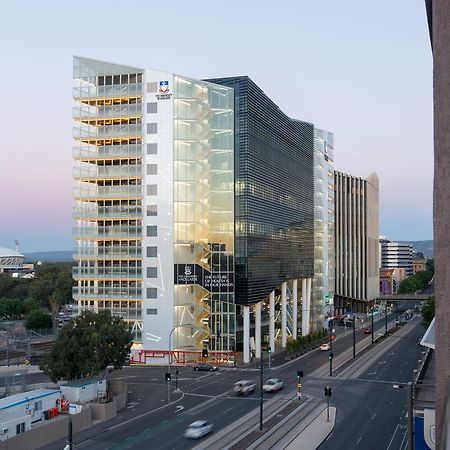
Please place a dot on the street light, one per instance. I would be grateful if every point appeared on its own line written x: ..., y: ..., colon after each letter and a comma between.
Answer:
x: 170, y: 363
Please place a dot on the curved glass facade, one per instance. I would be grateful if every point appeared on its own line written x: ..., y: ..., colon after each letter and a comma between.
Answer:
x: 274, y: 212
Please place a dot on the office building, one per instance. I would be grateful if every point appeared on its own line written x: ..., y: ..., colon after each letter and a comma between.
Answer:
x: 396, y: 255
x: 356, y: 242
x: 274, y: 215
x: 154, y: 193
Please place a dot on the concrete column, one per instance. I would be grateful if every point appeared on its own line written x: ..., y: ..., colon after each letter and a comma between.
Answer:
x: 283, y: 315
x: 294, y: 308
x: 308, y: 307
x: 304, y: 307
x: 246, y: 347
x: 258, y: 329
x: 272, y: 320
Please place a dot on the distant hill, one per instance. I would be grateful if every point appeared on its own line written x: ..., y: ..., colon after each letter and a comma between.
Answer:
x: 426, y: 247
x: 59, y: 256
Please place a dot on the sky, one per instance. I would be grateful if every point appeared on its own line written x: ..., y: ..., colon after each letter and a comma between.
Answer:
x: 360, y: 69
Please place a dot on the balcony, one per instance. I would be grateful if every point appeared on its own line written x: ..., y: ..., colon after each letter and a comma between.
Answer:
x: 92, y: 171
x: 108, y: 232
x: 81, y: 293
x: 86, y: 152
x: 86, y: 112
x: 89, y: 132
x: 92, y: 191
x: 108, y: 252
x: 109, y: 212
x: 119, y: 90
x: 107, y: 273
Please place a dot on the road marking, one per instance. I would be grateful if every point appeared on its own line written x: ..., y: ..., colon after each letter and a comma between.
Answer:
x: 179, y: 408
x: 392, y: 438
x: 371, y: 373
x: 359, y: 440
x: 373, y: 417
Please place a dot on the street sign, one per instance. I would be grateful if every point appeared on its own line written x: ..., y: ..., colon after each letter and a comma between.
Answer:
x: 299, y: 385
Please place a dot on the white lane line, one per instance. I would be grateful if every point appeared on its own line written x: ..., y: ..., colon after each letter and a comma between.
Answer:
x: 392, y: 438
x: 359, y: 440
x: 373, y: 417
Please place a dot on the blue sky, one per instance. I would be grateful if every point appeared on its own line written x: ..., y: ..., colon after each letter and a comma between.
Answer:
x: 360, y: 69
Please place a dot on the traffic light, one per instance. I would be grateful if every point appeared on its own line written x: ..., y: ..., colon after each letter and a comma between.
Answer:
x: 330, y: 355
x: 168, y: 376
x: 327, y: 391
x: 269, y: 349
x: 299, y: 374
x: 205, y: 353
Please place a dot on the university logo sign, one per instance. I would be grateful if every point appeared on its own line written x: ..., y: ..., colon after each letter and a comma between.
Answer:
x: 164, y: 87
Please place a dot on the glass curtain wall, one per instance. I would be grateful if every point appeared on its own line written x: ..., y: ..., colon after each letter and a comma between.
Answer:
x: 204, y: 214
x: 108, y: 189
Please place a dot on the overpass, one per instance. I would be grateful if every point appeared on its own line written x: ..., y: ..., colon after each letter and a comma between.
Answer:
x: 405, y: 297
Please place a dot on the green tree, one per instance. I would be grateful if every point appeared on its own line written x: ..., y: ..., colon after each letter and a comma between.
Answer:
x: 37, y: 319
x: 87, y: 345
x: 428, y: 311
x: 11, y: 309
x: 409, y: 285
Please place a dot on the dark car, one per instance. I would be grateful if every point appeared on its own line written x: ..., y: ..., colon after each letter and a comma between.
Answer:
x: 205, y: 366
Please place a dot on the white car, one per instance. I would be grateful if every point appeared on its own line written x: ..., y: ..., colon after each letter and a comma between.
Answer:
x: 198, y: 429
x: 325, y: 346
x: 244, y: 387
x: 273, y: 385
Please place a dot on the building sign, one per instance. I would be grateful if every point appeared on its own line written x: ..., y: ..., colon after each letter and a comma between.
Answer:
x: 211, y: 281
x: 164, y: 91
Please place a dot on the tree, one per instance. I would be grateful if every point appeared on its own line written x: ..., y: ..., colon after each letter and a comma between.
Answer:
x: 37, y: 319
x: 87, y: 345
x: 428, y: 311
x: 11, y: 309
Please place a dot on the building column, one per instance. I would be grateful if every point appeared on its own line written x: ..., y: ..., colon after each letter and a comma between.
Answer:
x: 304, y: 307
x: 294, y: 308
x: 246, y: 348
x: 308, y: 305
x: 272, y: 320
x: 283, y: 315
x: 258, y: 329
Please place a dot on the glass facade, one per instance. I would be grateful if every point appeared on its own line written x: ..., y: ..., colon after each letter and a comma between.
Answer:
x: 203, y: 215
x: 323, y: 283
x: 108, y: 189
x: 274, y: 216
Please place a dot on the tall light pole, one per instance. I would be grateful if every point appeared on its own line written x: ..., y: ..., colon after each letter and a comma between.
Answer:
x: 170, y: 362
x: 372, y: 324
x: 385, y: 317
x: 261, y: 394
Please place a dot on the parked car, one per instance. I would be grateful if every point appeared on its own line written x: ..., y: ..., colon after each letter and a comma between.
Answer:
x: 273, y: 385
x: 205, y: 366
x: 366, y: 330
x: 325, y: 346
x: 198, y: 429
x: 244, y: 387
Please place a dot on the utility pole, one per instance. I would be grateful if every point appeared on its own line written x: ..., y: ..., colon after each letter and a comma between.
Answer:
x: 261, y: 394
x: 354, y: 337
x: 385, y: 317
x: 330, y: 339
x: 372, y: 324
x: 410, y: 423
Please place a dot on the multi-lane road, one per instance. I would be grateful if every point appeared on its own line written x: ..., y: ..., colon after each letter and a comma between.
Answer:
x: 370, y: 411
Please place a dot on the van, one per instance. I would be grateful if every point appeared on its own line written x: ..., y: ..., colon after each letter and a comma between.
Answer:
x: 244, y: 387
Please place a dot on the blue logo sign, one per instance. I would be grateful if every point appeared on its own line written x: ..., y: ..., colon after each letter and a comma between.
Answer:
x: 164, y: 87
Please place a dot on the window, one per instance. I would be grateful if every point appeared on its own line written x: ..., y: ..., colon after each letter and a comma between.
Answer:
x: 38, y: 405
x: 152, y: 230
x: 152, y: 293
x: 152, y: 272
x: 152, y: 210
x: 152, y: 128
x: 152, y: 108
x: 152, y: 169
x: 152, y: 252
x: 152, y: 189
x: 20, y: 428
x: 151, y: 311
x: 152, y: 149
x: 152, y: 87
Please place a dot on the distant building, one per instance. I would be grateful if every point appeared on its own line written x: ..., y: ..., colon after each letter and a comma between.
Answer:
x: 419, y: 265
x: 356, y: 242
x: 396, y: 255
x: 390, y: 280
x: 10, y: 260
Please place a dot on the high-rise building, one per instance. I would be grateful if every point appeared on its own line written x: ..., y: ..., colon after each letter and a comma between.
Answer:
x: 356, y: 241
x: 324, y: 259
x: 154, y: 241
x: 395, y: 255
